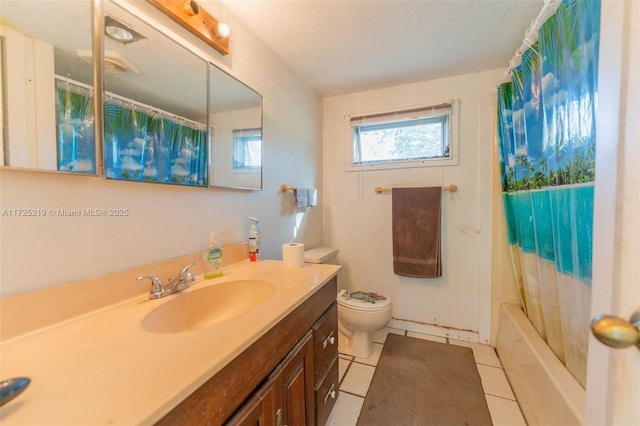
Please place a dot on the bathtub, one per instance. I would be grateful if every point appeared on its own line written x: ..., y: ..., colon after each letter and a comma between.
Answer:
x: 546, y: 391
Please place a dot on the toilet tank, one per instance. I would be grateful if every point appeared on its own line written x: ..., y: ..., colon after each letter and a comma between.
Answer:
x: 321, y: 255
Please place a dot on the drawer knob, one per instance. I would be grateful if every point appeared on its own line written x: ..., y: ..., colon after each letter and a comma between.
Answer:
x: 331, y: 393
x: 330, y: 340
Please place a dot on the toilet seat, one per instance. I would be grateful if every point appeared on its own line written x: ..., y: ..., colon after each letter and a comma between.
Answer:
x: 363, y: 301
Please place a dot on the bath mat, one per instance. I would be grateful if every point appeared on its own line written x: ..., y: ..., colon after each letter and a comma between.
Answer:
x: 419, y: 382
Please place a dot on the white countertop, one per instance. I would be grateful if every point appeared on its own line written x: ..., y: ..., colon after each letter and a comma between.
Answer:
x: 104, y: 368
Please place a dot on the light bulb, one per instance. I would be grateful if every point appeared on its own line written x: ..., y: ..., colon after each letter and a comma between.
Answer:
x: 223, y: 30
x: 119, y: 34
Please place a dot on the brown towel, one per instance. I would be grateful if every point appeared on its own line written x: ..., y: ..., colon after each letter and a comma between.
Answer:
x: 416, y: 232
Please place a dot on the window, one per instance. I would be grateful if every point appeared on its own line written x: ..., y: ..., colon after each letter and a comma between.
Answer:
x: 247, y: 148
x: 412, y: 138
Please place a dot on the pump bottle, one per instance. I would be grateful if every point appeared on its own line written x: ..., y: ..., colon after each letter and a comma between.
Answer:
x: 254, y: 240
x: 213, y: 256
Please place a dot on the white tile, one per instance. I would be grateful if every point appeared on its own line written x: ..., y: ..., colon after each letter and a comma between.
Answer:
x: 358, y: 379
x: 346, y: 411
x: 380, y: 336
x: 504, y: 412
x: 483, y: 354
x: 494, y: 382
x: 374, y: 357
x: 423, y: 336
x: 343, y: 364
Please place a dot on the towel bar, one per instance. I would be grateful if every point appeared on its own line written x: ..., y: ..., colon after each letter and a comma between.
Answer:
x: 452, y: 188
x: 285, y: 188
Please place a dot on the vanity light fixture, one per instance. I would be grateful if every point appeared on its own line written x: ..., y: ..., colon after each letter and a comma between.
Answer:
x: 198, y: 21
x: 191, y: 7
x: 120, y: 32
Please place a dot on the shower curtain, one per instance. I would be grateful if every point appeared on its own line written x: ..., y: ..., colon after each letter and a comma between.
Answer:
x: 76, y: 147
x: 546, y: 136
x: 153, y: 147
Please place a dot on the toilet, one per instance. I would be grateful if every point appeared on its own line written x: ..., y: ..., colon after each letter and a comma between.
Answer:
x: 360, y: 313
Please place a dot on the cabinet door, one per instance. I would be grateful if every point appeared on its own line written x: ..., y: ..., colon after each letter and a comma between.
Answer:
x: 293, y: 385
x: 259, y: 410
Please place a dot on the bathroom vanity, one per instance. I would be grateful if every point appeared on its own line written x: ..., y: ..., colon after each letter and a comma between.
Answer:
x: 275, y: 363
x: 289, y: 376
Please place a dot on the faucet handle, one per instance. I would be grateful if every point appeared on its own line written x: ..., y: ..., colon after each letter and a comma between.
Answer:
x: 185, y: 271
x: 186, y: 277
x: 157, y: 288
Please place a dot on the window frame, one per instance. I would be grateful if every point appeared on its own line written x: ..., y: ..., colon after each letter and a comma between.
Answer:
x: 451, y: 110
x: 244, y: 135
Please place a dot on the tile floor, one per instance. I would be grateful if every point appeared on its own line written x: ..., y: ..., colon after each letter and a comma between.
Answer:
x: 356, y: 375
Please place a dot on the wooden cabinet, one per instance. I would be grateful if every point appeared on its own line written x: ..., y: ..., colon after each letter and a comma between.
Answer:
x: 306, y: 382
x: 287, y: 396
x: 325, y: 341
x: 325, y: 357
x: 281, y: 379
x: 303, y: 389
x: 259, y: 410
x: 326, y: 394
x: 293, y: 386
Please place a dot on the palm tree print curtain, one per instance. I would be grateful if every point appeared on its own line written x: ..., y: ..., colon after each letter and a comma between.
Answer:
x: 151, y: 147
x: 546, y: 133
x: 138, y: 146
x: 75, y: 130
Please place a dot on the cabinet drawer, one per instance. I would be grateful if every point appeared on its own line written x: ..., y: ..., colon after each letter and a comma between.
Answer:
x: 327, y: 394
x: 325, y: 341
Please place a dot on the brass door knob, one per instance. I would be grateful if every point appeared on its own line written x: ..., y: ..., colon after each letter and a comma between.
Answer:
x: 616, y: 332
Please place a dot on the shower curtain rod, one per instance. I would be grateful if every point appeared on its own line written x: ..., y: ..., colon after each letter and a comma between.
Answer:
x: 151, y: 110
x: 148, y: 108
x: 70, y: 81
x: 531, y: 35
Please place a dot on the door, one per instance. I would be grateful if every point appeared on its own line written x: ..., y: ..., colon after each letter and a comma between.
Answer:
x: 293, y: 385
x: 613, y: 375
x: 259, y: 410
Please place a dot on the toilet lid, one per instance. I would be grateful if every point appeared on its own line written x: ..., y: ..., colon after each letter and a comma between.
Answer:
x: 363, y: 300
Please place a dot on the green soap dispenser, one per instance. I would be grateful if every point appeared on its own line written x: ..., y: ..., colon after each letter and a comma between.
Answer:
x: 213, y: 257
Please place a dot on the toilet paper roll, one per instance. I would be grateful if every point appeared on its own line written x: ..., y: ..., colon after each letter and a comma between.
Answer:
x: 293, y: 255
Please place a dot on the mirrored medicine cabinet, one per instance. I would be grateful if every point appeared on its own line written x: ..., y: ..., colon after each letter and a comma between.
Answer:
x: 169, y: 115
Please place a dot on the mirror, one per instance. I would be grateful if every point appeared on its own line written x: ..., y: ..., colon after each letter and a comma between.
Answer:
x: 169, y: 115
x: 155, y: 105
x: 236, y: 132
x: 47, y: 85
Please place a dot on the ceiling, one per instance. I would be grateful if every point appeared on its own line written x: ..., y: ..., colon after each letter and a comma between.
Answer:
x: 344, y: 46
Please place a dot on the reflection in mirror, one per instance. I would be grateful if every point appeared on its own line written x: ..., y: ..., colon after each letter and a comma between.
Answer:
x: 155, y: 105
x: 47, y: 85
x: 236, y: 132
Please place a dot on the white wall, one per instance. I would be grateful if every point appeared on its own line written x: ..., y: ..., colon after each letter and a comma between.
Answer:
x: 166, y: 221
x: 358, y: 221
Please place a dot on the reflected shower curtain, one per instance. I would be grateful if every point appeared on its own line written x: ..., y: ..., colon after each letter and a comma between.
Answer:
x: 546, y: 134
x: 75, y: 139
x: 150, y: 147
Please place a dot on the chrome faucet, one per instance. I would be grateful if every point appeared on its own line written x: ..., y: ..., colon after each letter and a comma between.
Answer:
x: 179, y: 283
x: 182, y: 281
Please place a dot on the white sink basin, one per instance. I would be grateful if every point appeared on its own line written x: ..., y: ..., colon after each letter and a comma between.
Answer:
x: 211, y: 305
